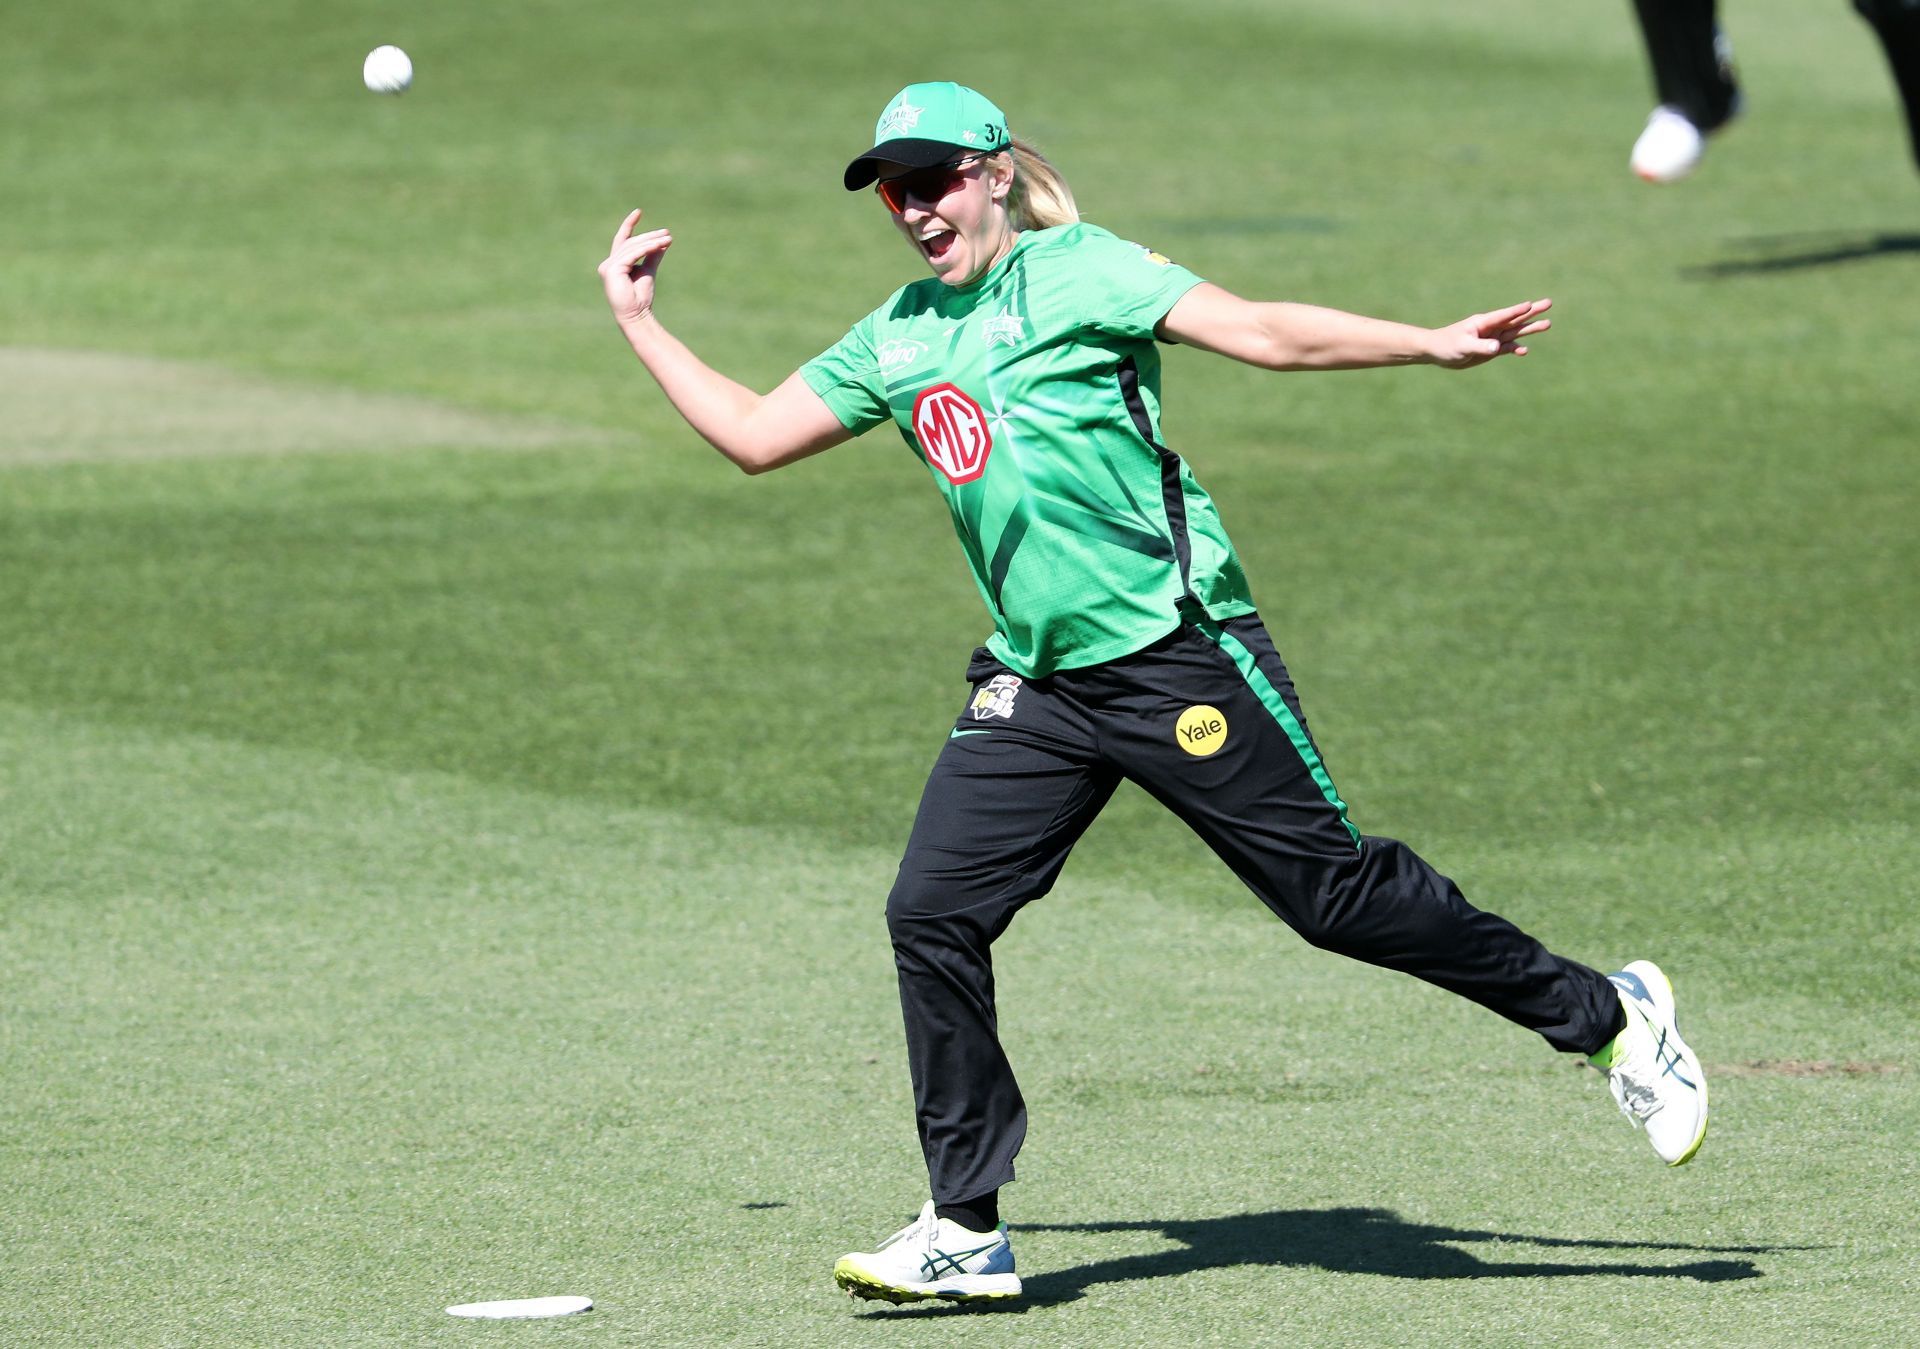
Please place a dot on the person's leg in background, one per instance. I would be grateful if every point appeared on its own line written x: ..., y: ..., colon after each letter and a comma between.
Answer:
x: 1897, y: 24
x: 1693, y: 81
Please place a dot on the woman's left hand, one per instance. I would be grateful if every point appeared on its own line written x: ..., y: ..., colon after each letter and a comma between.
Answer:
x: 1478, y: 338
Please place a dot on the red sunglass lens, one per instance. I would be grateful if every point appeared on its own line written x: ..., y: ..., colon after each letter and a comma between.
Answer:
x: 927, y: 185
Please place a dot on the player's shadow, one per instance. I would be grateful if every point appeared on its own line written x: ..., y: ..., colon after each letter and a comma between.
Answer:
x: 1796, y: 252
x: 1353, y: 1241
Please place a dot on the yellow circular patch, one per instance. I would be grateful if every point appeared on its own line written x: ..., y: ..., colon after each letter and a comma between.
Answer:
x: 1201, y: 730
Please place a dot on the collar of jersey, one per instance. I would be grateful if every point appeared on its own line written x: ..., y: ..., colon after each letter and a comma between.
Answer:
x: 995, y: 272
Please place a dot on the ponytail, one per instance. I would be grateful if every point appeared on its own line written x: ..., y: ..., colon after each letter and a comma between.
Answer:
x: 1040, y: 198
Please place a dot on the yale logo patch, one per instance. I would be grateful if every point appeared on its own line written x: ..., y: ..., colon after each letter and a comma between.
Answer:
x: 995, y: 698
x: 1201, y: 730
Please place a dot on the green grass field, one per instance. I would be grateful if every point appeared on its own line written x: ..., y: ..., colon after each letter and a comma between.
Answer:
x: 445, y: 811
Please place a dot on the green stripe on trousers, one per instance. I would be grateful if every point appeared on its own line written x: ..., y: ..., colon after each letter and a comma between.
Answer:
x: 1270, y: 699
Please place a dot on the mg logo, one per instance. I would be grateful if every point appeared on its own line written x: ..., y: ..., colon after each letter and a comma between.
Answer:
x: 952, y: 431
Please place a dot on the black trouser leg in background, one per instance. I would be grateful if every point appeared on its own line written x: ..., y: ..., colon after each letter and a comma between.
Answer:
x: 1897, y: 23
x: 1688, y: 70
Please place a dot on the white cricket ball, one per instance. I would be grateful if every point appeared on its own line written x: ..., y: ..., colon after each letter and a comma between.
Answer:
x: 387, y: 71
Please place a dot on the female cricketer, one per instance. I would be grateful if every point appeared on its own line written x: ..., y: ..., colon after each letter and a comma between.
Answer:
x: 1023, y: 375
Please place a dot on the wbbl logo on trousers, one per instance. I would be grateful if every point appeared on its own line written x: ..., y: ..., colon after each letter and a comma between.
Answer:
x: 995, y: 698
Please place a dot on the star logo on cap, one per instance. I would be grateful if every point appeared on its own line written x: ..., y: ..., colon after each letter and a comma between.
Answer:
x: 903, y: 118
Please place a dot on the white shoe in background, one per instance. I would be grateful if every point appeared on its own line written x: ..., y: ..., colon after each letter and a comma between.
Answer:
x: 1669, y: 148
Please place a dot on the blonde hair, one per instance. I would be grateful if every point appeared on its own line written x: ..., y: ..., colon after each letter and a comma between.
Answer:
x: 1040, y: 198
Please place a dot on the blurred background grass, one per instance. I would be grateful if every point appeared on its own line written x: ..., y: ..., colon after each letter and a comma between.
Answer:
x: 435, y: 713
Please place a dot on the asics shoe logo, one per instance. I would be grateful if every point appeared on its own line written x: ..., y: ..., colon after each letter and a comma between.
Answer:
x: 1669, y: 1057
x: 938, y: 1262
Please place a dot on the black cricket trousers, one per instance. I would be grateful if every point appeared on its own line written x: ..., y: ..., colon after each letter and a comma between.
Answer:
x: 1206, y: 720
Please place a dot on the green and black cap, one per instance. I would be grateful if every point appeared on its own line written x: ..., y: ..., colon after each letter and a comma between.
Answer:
x: 927, y: 124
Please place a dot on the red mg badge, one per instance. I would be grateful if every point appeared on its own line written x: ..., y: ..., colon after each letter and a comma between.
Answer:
x: 952, y: 431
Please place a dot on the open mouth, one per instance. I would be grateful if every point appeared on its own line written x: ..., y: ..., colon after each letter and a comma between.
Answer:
x: 936, y: 246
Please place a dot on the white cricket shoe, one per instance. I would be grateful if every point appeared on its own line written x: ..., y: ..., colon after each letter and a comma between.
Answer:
x: 1653, y: 1075
x: 1669, y: 148
x: 932, y: 1257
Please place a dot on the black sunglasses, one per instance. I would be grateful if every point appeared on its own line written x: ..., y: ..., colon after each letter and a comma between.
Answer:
x: 928, y: 185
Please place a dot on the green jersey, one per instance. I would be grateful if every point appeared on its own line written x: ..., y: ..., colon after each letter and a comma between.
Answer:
x: 1033, y: 397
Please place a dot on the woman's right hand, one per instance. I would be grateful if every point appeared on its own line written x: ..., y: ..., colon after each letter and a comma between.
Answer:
x: 630, y: 267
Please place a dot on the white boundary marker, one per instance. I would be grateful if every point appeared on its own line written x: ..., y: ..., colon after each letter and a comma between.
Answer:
x: 523, y: 1308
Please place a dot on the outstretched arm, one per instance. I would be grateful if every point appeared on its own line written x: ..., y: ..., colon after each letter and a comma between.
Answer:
x: 1280, y: 336
x: 757, y: 432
